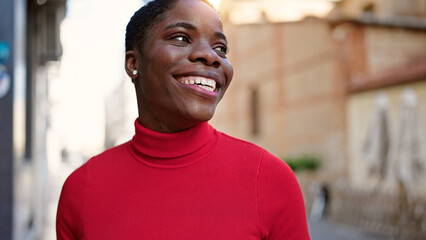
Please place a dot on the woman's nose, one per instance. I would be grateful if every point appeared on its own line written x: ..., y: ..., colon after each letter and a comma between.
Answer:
x: 202, y: 52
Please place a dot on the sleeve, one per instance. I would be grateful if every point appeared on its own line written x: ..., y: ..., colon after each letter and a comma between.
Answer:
x: 69, y: 220
x: 281, y: 207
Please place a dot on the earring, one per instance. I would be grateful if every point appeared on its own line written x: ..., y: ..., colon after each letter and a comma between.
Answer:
x: 135, y: 72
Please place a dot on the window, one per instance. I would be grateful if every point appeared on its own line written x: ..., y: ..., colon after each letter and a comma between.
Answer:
x: 369, y: 8
x: 254, y: 111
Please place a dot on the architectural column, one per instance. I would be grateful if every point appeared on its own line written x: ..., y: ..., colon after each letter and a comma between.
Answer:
x: 6, y: 117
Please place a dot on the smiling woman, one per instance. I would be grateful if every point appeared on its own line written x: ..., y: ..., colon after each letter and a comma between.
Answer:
x: 179, y: 178
x: 191, y: 73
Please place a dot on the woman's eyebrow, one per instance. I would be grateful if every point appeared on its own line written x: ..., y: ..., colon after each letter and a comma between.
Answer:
x: 186, y: 25
x: 190, y: 26
x: 221, y: 35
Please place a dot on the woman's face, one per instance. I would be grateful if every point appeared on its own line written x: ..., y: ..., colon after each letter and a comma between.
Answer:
x: 183, y: 69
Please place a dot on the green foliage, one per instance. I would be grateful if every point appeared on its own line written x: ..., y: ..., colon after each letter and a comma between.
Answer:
x: 302, y: 162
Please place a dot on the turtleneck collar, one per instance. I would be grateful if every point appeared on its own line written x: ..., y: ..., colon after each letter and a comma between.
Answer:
x: 172, y: 149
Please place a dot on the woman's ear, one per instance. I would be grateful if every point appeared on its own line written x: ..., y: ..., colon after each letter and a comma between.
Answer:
x: 131, y: 65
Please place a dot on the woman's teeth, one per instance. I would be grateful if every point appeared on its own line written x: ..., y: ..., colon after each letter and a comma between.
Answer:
x: 208, y: 84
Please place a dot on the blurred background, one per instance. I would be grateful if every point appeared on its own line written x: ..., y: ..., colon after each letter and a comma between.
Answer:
x: 336, y: 88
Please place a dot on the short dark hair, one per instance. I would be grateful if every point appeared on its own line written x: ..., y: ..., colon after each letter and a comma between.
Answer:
x: 146, y: 17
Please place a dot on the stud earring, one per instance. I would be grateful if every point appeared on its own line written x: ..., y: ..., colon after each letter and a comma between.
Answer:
x: 135, y: 72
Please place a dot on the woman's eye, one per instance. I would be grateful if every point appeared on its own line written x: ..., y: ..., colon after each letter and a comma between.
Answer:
x: 222, y: 50
x: 181, y: 38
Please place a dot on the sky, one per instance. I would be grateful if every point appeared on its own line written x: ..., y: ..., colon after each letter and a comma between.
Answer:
x: 92, y: 66
x: 278, y: 10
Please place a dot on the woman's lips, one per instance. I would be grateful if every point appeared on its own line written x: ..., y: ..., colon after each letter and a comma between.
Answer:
x: 201, y: 82
x: 204, y: 83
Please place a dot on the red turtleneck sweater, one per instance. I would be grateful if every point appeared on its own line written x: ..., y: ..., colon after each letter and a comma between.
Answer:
x: 191, y: 185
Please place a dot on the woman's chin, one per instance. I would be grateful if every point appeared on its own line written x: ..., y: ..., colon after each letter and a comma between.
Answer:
x: 200, y: 112
x: 198, y: 116
x: 202, y: 116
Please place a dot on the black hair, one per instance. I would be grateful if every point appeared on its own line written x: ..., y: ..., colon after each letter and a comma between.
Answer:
x: 146, y: 17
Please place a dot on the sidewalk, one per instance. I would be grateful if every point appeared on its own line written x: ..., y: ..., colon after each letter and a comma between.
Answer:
x: 325, y: 230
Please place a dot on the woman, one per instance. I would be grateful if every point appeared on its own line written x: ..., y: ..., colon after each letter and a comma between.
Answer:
x: 179, y: 178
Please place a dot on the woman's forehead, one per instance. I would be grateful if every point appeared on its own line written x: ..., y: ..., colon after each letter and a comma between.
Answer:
x: 195, y: 12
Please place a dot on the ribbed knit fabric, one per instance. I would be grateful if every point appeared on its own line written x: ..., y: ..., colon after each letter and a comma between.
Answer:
x: 194, y: 185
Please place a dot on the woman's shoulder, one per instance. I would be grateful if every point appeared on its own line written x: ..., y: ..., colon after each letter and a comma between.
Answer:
x: 238, y: 143
x: 109, y: 157
x: 265, y: 158
x: 99, y: 163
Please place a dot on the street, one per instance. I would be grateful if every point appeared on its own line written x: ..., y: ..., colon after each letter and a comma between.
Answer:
x: 326, y: 230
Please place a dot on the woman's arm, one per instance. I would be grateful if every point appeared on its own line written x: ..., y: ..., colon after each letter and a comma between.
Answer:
x: 281, y: 207
x: 69, y: 220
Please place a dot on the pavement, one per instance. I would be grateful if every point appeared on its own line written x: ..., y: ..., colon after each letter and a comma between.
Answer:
x: 326, y: 230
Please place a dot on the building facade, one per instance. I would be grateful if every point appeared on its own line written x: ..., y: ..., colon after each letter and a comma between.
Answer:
x: 30, y: 29
x: 310, y: 87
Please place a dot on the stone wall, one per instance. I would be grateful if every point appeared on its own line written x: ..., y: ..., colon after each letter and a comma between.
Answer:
x: 395, y: 215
